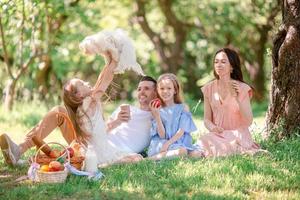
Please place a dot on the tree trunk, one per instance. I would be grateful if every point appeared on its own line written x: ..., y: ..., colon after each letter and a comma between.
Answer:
x: 257, y: 73
x: 256, y: 69
x: 259, y: 79
x: 171, y: 55
x: 191, y: 86
x: 42, y: 76
x: 284, y: 108
x: 10, y: 94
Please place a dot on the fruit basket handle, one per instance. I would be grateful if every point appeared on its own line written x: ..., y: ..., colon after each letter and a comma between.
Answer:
x: 66, y: 150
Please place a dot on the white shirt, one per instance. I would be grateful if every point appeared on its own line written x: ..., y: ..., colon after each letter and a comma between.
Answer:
x: 132, y: 136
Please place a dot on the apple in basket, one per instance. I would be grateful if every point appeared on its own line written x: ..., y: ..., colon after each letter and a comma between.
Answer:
x: 55, y: 166
x: 70, y: 150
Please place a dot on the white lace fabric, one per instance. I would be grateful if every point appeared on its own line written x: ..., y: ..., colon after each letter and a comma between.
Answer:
x: 118, y: 44
x: 95, y: 125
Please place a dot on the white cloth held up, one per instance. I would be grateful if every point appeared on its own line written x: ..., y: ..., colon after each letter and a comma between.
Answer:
x: 118, y: 44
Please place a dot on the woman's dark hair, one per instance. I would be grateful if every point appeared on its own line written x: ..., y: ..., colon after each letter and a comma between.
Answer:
x: 235, y: 63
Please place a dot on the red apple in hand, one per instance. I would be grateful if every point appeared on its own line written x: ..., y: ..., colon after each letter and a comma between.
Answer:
x: 156, y: 103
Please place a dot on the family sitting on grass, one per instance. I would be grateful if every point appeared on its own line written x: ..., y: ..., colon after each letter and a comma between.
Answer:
x: 164, y: 130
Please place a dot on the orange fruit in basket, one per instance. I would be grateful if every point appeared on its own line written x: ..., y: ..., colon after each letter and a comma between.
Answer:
x: 55, y: 166
x: 44, y: 168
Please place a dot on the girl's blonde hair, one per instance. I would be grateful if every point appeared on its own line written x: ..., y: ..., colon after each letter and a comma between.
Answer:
x: 178, y: 98
x: 72, y: 101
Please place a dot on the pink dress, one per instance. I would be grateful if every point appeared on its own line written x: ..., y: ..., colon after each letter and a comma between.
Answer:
x: 236, y: 138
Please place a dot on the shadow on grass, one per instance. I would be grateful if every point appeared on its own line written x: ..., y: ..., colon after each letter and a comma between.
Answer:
x: 235, y: 177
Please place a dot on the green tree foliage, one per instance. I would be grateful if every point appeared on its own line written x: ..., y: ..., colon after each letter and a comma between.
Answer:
x: 17, y: 27
x: 205, y: 26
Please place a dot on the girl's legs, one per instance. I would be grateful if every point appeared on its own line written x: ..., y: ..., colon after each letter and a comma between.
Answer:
x: 170, y: 154
x: 131, y: 159
x: 54, y: 118
x: 127, y: 159
x: 50, y: 121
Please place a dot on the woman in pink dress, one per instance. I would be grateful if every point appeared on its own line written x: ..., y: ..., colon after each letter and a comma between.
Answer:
x: 227, y: 109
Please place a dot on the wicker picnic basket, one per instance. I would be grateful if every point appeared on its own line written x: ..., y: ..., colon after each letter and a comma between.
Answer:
x: 52, y: 177
x: 75, y: 161
x: 43, y: 159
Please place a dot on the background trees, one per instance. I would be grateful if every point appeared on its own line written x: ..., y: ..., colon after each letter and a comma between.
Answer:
x: 284, y: 108
x: 39, y: 43
x: 17, y: 28
x: 174, y: 36
x: 185, y: 35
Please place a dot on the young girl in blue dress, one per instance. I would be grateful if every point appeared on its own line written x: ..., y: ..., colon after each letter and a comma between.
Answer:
x: 172, y: 123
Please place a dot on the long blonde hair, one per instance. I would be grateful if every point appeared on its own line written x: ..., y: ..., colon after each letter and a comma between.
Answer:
x: 72, y: 101
x: 178, y: 98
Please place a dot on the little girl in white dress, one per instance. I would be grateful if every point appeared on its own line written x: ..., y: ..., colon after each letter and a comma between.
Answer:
x: 83, y: 101
x: 84, y: 109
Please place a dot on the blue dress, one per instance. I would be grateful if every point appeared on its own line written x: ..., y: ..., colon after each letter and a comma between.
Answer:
x: 173, y: 118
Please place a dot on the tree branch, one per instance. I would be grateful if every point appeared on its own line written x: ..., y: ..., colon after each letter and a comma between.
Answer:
x: 22, y: 34
x: 166, y: 8
x: 54, y: 25
x: 154, y: 37
x: 27, y: 64
x: 5, y: 56
x: 270, y: 18
x: 180, y: 28
x: 74, y: 3
x: 172, y: 19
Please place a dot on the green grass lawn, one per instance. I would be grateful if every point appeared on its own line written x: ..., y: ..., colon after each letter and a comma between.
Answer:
x: 270, y: 176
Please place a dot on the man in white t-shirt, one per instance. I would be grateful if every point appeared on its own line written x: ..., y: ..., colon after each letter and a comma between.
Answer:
x: 129, y: 129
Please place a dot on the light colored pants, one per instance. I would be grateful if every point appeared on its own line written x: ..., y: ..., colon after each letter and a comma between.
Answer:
x: 53, y: 119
